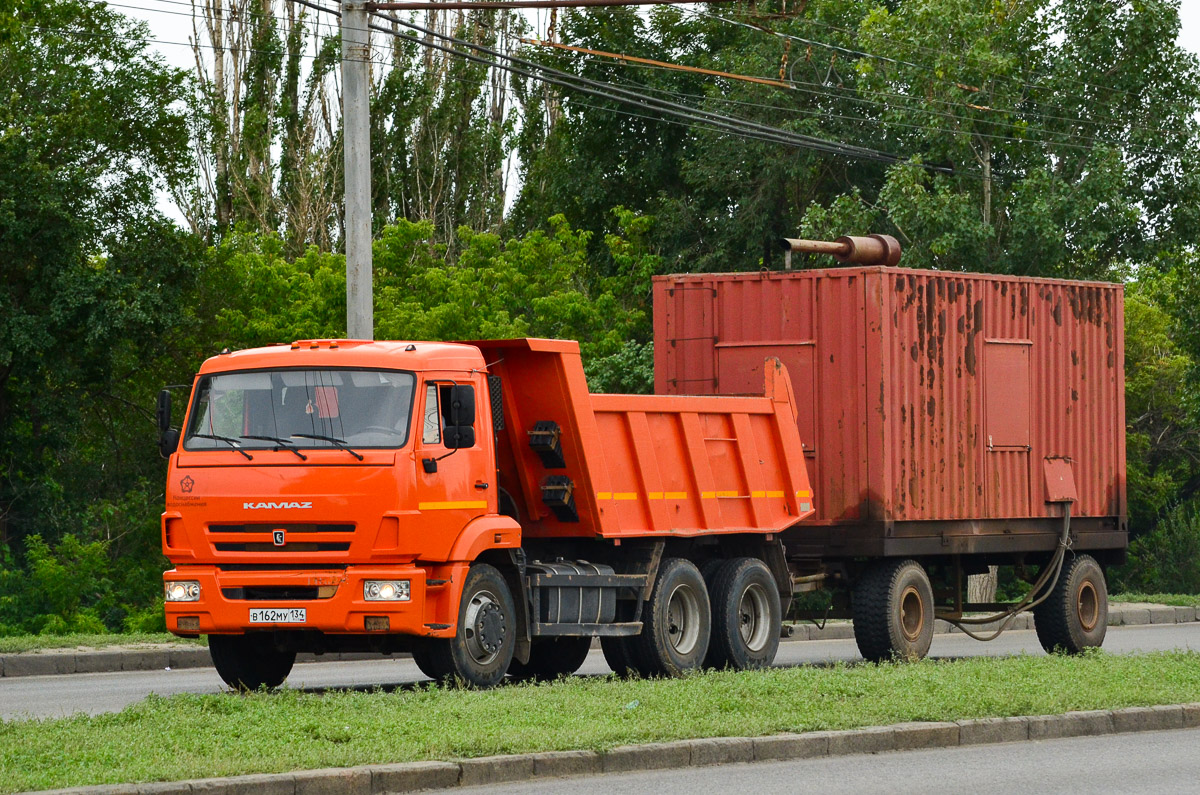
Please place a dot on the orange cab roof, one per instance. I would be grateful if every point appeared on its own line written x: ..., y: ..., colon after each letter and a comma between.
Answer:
x: 389, y: 355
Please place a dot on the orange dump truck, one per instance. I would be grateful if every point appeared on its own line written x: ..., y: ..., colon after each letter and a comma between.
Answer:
x: 474, y: 505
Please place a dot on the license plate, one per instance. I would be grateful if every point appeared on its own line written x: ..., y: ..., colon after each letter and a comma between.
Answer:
x: 275, y: 615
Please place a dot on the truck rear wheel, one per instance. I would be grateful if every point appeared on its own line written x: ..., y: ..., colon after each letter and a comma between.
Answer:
x: 678, y: 622
x: 480, y: 652
x: 550, y: 658
x: 1074, y: 616
x: 893, y: 611
x: 248, y: 662
x: 746, y: 615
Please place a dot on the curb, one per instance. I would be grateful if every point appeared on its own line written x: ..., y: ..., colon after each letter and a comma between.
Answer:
x: 90, y: 662
x: 413, y: 776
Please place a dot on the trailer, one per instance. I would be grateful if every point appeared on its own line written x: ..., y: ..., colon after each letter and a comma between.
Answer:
x: 949, y: 422
x: 474, y: 505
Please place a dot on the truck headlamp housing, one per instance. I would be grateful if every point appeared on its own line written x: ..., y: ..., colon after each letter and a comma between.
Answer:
x: 182, y: 591
x: 386, y: 590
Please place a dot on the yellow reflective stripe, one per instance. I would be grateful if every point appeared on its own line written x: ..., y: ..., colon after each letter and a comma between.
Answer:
x: 758, y: 494
x: 604, y: 495
x: 625, y: 495
x: 803, y: 494
x: 450, y: 506
x: 655, y: 495
x: 676, y: 495
x: 727, y: 494
x: 774, y: 493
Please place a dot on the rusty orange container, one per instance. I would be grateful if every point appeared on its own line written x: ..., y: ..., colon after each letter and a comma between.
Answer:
x: 939, y: 412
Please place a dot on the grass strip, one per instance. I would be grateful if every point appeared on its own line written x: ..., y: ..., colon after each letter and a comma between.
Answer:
x: 1170, y: 599
x: 192, y: 736
x: 15, y: 644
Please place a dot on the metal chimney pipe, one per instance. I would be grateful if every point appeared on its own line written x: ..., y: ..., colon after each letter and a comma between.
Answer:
x: 872, y: 250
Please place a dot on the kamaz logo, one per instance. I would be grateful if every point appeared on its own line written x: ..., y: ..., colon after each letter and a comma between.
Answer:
x: 254, y: 506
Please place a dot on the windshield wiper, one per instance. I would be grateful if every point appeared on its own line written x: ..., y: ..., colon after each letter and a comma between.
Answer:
x: 232, y: 443
x: 281, y: 444
x: 339, y: 443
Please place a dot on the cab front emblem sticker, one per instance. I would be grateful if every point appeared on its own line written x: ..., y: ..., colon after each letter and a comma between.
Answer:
x: 186, y: 484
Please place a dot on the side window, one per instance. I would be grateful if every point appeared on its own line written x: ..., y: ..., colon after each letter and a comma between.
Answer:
x: 433, y: 423
x: 445, y: 396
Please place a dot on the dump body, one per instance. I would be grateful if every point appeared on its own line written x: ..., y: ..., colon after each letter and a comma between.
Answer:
x: 644, y: 465
x: 945, y: 407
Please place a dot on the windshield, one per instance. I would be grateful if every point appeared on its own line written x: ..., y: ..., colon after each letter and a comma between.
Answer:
x: 360, y: 408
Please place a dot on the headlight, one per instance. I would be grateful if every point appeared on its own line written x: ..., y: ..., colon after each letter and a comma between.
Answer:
x: 183, y: 591
x: 386, y: 590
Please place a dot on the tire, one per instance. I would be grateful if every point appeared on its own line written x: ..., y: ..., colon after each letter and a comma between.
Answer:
x: 893, y: 611
x: 678, y: 622
x: 248, y: 662
x: 1075, y: 615
x: 482, y: 648
x: 550, y: 658
x: 746, y: 615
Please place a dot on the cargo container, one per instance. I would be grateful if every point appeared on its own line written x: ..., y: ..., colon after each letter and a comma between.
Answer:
x: 474, y: 505
x: 955, y: 419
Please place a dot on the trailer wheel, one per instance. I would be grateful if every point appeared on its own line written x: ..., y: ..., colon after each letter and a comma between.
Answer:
x: 480, y: 652
x: 550, y: 658
x: 746, y: 615
x: 893, y: 611
x: 248, y: 662
x: 678, y: 622
x: 1075, y: 615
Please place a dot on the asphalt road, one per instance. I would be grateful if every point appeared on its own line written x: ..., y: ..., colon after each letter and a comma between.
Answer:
x: 1150, y: 762
x: 52, y: 696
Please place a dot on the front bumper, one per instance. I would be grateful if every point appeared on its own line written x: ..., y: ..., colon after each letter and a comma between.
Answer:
x: 220, y: 611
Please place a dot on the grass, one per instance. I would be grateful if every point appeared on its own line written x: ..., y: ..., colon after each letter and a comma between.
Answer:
x: 190, y: 736
x: 23, y: 643
x: 1173, y: 599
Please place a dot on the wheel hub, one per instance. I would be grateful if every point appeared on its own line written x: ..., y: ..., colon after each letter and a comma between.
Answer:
x: 912, y: 614
x: 683, y: 619
x: 485, y: 627
x: 754, y: 617
x: 1087, y: 606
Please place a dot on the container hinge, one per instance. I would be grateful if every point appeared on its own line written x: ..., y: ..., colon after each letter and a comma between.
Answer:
x: 546, y: 440
x: 558, y: 492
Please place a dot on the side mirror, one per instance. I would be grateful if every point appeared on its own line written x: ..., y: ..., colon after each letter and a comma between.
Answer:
x: 168, y: 437
x: 162, y: 411
x: 462, y: 406
x: 456, y: 437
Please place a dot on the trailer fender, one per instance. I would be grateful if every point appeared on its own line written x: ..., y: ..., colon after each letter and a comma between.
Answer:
x: 484, y: 533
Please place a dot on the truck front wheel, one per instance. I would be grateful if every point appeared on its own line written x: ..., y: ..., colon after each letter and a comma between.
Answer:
x: 480, y: 652
x: 893, y: 611
x: 677, y: 625
x: 1074, y: 616
x: 248, y: 662
x: 746, y: 615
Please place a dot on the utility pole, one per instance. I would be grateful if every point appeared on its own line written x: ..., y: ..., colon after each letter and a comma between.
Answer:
x: 356, y: 144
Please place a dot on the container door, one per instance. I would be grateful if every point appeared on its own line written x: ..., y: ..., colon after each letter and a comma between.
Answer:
x: 1007, y: 405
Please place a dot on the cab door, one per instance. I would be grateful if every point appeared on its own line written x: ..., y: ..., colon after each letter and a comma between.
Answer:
x: 453, y: 486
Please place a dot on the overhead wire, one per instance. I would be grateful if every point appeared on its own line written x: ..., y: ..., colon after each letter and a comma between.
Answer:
x: 610, y: 92
x: 1110, y: 123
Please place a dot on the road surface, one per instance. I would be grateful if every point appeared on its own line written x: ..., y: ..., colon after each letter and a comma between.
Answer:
x: 1155, y: 763
x: 52, y: 696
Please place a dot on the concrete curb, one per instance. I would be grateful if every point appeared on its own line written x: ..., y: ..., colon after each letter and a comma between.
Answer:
x: 88, y: 662
x: 413, y: 776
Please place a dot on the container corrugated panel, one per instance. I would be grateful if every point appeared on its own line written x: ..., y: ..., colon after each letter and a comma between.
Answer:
x: 923, y: 395
x: 646, y: 465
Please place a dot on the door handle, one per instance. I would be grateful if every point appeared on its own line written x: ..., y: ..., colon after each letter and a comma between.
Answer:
x: 479, y: 484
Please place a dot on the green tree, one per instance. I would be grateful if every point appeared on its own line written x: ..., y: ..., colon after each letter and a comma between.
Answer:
x: 96, y: 280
